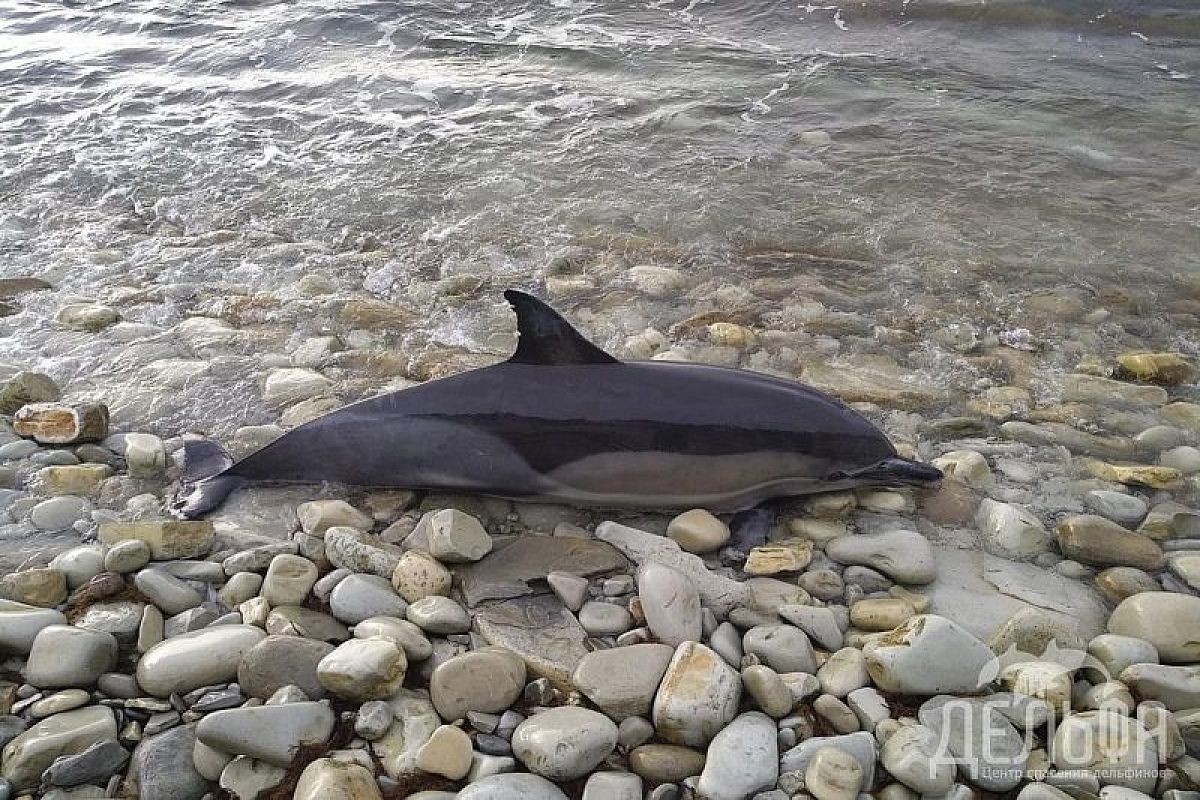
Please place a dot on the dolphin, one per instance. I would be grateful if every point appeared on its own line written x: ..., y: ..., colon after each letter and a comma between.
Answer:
x: 562, y: 421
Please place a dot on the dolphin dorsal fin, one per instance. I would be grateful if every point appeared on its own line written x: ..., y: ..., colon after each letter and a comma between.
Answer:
x: 546, y: 338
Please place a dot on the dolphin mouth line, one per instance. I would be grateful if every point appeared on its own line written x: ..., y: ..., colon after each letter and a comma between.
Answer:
x: 894, y: 471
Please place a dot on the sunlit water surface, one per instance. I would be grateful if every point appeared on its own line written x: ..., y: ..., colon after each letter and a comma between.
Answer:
x: 907, y: 164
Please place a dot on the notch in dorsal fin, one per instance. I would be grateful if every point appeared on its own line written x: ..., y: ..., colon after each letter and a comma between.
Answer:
x: 546, y: 338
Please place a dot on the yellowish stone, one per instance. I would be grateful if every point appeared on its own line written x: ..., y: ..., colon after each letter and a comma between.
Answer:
x: 78, y: 479
x: 990, y: 408
x: 1166, y: 369
x: 1154, y: 477
x: 790, y: 555
x: 730, y: 334
x: 1185, y: 415
x: 168, y: 538
x: 920, y: 603
x: 880, y: 614
x: 816, y: 529
x: 44, y: 587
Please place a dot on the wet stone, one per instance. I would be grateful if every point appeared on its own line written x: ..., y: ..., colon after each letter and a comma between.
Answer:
x: 484, y: 680
x: 269, y: 733
x: 698, y: 696
x: 698, y: 531
x: 363, y: 669
x: 93, y: 765
x: 191, y: 620
x: 604, y: 619
x: 407, y: 636
x: 671, y: 604
x: 279, y: 661
x: 121, y: 619
x: 127, y: 556
x: 59, y: 513
x: 904, y: 556
x: 170, y: 594
x: 784, y: 648
x: 24, y: 388
x: 439, y: 615
x: 1096, y: 540
x: 162, y: 767
x: 1167, y: 620
x: 66, y: 656
x: 1124, y: 509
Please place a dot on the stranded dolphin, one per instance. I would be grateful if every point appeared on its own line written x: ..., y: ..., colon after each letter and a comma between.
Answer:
x: 563, y: 421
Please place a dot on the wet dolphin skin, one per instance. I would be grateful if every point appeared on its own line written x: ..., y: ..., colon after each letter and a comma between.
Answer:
x: 562, y: 421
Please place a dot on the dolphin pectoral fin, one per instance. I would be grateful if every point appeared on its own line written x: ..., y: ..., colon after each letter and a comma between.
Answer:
x: 750, y: 528
x: 546, y: 338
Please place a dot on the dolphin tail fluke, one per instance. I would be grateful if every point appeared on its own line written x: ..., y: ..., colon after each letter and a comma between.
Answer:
x: 203, y: 484
x: 203, y: 458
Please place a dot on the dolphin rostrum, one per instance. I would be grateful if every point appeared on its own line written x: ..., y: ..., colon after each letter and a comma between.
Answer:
x: 563, y: 421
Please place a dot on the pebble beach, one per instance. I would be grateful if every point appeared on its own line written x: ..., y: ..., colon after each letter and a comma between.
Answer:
x: 1027, y: 629
x: 975, y: 223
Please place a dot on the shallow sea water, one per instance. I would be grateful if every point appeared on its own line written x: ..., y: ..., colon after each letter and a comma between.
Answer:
x: 908, y: 166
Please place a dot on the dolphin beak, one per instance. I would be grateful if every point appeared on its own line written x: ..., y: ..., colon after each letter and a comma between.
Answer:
x: 894, y: 471
x: 910, y: 473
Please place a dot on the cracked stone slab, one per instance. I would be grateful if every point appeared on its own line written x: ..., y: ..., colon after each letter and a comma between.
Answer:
x: 540, y: 630
x: 513, y: 565
x: 980, y: 591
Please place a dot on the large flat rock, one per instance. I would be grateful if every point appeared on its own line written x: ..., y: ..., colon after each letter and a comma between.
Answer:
x: 514, y: 564
x: 541, y: 631
x: 980, y: 591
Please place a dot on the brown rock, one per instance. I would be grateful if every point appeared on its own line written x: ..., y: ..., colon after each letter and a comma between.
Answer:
x: 80, y: 479
x: 665, y: 763
x: 374, y: 314
x: 1091, y: 539
x: 56, y: 423
x: 44, y: 587
x: 1154, y: 477
x: 952, y: 503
